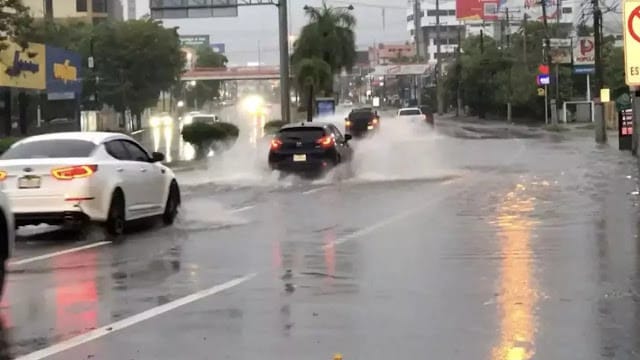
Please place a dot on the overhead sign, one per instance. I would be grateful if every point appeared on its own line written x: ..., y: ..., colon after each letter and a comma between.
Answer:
x: 23, y: 68
x: 63, y: 72
x: 631, y: 21
x: 194, y: 40
x: 584, y: 51
x: 183, y: 9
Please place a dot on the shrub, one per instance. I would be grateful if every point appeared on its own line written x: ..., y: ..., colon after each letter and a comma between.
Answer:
x: 219, y: 136
x: 5, y: 143
x: 273, y: 126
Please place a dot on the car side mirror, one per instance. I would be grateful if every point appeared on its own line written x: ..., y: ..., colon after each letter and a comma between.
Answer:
x: 157, y: 157
x: 348, y: 137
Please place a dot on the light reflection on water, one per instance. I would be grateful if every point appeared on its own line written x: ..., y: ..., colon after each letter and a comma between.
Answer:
x: 517, y: 288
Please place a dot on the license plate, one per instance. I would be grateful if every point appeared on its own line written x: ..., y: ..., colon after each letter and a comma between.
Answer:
x: 29, y: 182
x: 300, y: 157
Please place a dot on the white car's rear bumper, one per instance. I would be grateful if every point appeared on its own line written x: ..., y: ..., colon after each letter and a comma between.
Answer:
x: 33, y: 210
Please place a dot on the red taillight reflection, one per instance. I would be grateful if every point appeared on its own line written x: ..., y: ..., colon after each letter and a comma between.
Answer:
x: 275, y: 144
x: 74, y: 172
x: 326, y: 141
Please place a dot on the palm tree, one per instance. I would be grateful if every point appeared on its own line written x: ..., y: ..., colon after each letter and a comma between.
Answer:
x: 329, y: 36
x: 313, y: 75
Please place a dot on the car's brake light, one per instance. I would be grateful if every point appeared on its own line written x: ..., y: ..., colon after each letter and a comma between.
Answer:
x: 74, y: 172
x: 3, y: 175
x: 275, y: 144
x: 325, y: 141
x: 374, y: 121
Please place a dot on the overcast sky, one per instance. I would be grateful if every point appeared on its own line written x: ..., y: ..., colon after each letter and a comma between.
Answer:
x: 256, y: 27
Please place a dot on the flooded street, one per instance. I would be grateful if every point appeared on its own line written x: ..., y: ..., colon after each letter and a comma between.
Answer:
x: 457, y: 246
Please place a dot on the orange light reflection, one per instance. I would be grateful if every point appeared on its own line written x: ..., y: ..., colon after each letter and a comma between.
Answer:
x: 518, y: 296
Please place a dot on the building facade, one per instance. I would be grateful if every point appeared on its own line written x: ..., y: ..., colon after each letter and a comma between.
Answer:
x: 452, y: 29
x: 93, y: 11
x: 386, y: 54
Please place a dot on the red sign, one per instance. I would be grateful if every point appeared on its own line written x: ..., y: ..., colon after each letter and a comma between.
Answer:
x: 477, y: 9
x: 543, y: 69
x: 634, y: 14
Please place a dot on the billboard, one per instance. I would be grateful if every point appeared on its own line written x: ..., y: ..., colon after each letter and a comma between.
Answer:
x: 477, y: 10
x: 64, y: 78
x: 194, y: 40
x: 532, y: 8
x: 584, y: 51
x: 183, y: 9
x: 23, y: 68
x: 561, y: 50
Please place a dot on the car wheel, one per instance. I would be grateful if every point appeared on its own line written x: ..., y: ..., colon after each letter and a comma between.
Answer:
x: 173, y: 203
x: 116, y: 218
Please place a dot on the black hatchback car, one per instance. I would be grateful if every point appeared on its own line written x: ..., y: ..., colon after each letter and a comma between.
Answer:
x: 309, y: 148
x: 361, y: 122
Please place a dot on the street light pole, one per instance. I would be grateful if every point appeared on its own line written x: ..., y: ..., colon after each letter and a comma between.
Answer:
x: 285, y: 97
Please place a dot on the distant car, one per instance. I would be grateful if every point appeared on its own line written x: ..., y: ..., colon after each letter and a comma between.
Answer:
x: 159, y: 120
x: 7, y: 237
x: 309, y: 149
x: 347, y: 103
x: 428, y: 114
x: 361, y: 122
x: 412, y: 114
x: 72, y: 178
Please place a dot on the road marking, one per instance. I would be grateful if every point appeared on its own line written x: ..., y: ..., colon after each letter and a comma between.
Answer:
x: 137, y: 132
x: 58, y: 253
x: 318, y: 189
x: 392, y: 219
x: 132, y: 320
x: 245, y: 208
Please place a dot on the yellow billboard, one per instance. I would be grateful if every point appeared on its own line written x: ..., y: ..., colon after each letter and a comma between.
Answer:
x: 23, y: 68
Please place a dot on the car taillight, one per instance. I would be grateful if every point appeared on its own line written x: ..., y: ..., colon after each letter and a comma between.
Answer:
x: 275, y: 144
x: 347, y: 123
x: 374, y: 121
x: 325, y: 141
x: 74, y: 172
x: 3, y: 175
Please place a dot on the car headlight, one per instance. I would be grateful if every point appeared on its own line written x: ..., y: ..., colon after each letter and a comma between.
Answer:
x: 167, y: 121
x: 187, y: 120
x: 154, y: 122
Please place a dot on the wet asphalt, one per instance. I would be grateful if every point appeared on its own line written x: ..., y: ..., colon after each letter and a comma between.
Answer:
x: 521, y: 247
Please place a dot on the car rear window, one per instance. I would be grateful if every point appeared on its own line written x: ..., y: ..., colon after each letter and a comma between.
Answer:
x: 50, y: 149
x: 203, y: 119
x: 361, y: 115
x: 302, y: 133
x: 409, y: 112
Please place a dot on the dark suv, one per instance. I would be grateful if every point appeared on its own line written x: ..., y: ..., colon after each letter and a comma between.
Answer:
x: 309, y: 148
x: 361, y: 122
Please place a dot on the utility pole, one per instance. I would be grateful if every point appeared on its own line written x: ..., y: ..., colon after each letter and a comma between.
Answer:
x: 597, y: 39
x: 285, y: 96
x: 458, y: 75
x: 481, y: 113
x: 509, y: 91
x: 439, y: 101
x: 524, y: 40
x: 547, y: 43
x: 417, y: 22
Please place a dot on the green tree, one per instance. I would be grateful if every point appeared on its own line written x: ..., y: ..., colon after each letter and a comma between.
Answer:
x: 135, y: 61
x: 329, y: 36
x: 206, y: 90
x: 15, y: 22
x: 313, y: 75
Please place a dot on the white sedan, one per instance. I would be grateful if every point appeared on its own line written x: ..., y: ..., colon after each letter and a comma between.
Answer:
x: 75, y: 177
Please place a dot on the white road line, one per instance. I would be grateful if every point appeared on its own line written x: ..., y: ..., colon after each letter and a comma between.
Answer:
x: 58, y: 253
x: 137, y: 132
x: 245, y: 208
x: 314, y: 190
x: 385, y: 222
x: 125, y: 323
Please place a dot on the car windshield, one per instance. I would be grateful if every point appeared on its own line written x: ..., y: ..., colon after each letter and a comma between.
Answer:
x: 409, y: 112
x: 302, y: 133
x: 58, y: 148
